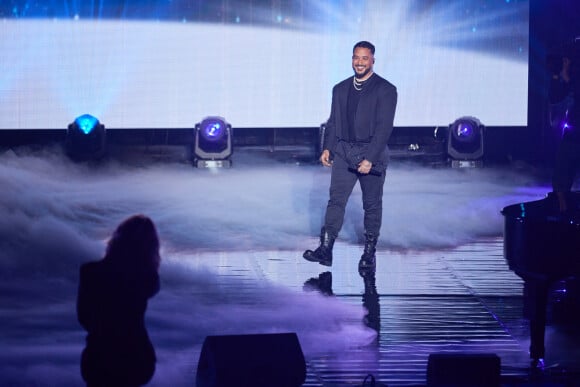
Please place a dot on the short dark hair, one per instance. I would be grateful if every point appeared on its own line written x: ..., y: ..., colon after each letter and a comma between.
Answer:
x: 365, y: 44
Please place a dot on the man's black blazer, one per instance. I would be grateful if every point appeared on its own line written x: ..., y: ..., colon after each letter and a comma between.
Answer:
x: 374, y: 116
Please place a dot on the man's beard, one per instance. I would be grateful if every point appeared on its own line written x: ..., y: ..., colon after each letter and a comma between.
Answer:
x: 364, y: 74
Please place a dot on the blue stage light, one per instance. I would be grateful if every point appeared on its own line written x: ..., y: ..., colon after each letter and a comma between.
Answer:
x: 86, y: 123
x: 212, y: 143
x: 213, y: 129
x: 464, y: 129
x: 465, y: 142
x: 85, y: 139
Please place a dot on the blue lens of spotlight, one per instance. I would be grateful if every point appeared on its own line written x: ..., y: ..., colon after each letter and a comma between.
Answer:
x: 213, y: 129
x: 464, y: 130
x: 86, y: 123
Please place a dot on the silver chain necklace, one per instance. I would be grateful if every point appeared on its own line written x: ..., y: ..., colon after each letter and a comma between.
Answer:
x: 358, y: 85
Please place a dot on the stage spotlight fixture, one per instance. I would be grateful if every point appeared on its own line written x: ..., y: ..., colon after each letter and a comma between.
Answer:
x: 212, y: 143
x: 465, y: 142
x: 85, y: 138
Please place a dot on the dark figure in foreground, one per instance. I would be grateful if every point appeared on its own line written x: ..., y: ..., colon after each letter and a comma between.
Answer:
x: 111, y: 304
x: 355, y: 146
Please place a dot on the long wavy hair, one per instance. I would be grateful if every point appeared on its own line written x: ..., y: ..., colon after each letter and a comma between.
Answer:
x: 134, y: 246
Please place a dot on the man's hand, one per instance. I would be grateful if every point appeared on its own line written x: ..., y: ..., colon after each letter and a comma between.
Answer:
x: 325, y: 158
x: 364, y: 167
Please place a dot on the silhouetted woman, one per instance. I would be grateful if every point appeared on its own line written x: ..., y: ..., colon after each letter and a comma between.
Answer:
x: 111, y: 304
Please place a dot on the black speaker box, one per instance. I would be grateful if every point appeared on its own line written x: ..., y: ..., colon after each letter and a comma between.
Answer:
x: 257, y: 360
x: 463, y: 370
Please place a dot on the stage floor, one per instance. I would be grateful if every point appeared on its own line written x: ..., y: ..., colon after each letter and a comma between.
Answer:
x: 461, y: 300
x: 232, y: 244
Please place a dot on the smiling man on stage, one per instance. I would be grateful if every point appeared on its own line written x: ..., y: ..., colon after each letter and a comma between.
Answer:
x: 355, y: 146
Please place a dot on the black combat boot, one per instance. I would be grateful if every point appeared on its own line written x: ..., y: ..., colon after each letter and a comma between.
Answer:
x: 368, y: 259
x: 323, y: 253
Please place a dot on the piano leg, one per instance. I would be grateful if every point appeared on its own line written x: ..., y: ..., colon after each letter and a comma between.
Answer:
x: 535, y: 305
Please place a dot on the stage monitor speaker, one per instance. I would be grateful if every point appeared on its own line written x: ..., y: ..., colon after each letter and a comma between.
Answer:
x: 256, y: 360
x: 463, y: 370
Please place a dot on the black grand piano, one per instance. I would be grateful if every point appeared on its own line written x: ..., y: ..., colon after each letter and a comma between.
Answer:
x: 542, y: 246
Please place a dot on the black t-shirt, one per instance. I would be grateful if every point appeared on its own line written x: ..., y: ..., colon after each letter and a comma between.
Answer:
x: 351, y: 107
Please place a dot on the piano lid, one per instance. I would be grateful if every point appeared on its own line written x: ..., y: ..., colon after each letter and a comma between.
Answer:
x: 540, y: 241
x: 546, y: 210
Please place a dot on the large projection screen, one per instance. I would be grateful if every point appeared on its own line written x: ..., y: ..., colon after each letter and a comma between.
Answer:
x: 168, y: 64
